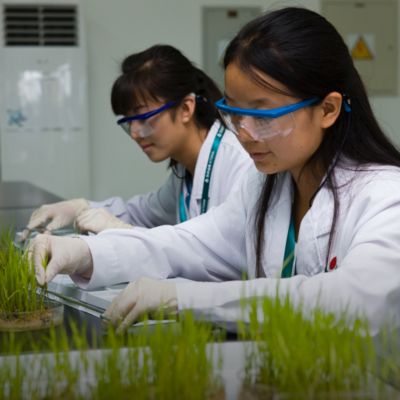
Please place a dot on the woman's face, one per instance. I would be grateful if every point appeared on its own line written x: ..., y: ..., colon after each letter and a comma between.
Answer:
x: 279, y: 153
x: 166, y: 133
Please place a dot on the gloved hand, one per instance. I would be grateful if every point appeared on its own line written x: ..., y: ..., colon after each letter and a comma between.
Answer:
x: 97, y: 219
x: 144, y: 296
x: 55, y: 216
x: 64, y: 255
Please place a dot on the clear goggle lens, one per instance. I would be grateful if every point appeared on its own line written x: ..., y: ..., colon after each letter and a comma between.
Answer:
x: 259, y: 128
x: 139, y: 123
x: 141, y: 128
x: 262, y: 125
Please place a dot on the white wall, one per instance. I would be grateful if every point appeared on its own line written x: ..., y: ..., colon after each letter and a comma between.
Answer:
x: 116, y: 28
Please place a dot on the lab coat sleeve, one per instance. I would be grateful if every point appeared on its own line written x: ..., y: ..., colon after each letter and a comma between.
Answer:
x: 210, y: 247
x: 146, y: 210
x: 366, y: 282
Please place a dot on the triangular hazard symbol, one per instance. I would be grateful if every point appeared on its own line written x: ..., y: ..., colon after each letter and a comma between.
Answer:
x: 361, y: 50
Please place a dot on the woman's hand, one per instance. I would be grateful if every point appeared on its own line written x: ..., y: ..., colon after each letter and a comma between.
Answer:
x: 50, y: 217
x: 53, y: 255
x: 97, y: 219
x: 144, y: 296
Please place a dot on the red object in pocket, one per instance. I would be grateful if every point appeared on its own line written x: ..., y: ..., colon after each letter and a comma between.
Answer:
x: 332, y: 264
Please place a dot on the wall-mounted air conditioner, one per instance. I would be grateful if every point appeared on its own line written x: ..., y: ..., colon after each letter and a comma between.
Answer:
x: 43, y: 96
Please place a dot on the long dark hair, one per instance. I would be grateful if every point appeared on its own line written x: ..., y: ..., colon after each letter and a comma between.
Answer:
x: 303, y: 51
x: 163, y: 72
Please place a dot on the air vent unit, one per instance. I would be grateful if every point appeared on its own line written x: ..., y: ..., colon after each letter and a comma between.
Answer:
x: 40, y: 25
x: 44, y: 134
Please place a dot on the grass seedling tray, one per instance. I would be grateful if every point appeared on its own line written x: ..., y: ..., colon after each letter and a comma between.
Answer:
x: 24, y: 305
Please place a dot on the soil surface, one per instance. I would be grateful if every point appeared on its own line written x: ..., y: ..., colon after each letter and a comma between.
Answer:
x: 29, y: 321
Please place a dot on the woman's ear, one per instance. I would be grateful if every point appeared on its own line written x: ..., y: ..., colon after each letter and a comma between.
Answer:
x: 187, y: 108
x: 331, y: 106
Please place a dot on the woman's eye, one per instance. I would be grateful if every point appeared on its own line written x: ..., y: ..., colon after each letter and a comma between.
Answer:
x: 262, y: 120
x: 236, y: 119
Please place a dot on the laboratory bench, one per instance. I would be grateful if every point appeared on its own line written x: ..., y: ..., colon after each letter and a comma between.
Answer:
x: 17, y: 202
x: 94, y: 328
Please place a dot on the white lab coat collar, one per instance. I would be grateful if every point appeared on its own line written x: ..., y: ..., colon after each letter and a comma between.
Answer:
x: 315, y: 228
x: 277, y: 225
x: 313, y: 238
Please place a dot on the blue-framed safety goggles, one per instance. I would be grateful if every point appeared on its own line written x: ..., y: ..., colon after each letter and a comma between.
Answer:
x: 264, y: 124
x: 143, y: 128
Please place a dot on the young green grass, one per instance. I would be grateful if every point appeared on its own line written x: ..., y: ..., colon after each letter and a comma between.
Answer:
x: 19, y: 291
x: 162, y: 361
x: 310, y: 354
x: 292, y: 353
x: 183, y: 350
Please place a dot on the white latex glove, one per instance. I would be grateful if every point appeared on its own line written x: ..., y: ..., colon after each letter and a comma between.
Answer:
x: 64, y: 255
x: 54, y: 216
x: 97, y: 219
x: 144, y: 296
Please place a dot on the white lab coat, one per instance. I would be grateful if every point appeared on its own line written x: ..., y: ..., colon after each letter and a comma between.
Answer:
x: 162, y: 206
x: 219, y: 246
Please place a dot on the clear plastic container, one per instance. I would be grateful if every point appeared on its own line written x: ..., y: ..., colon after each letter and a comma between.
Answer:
x: 51, y: 315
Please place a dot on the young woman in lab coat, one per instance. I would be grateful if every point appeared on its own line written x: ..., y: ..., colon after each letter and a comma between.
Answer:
x: 168, y: 109
x: 318, y: 221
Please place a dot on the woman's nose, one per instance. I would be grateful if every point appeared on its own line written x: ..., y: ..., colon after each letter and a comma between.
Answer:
x: 135, y: 129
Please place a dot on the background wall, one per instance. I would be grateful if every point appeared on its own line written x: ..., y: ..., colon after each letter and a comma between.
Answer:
x: 117, y: 28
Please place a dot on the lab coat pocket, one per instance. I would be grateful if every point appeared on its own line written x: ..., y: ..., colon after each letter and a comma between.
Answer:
x: 311, y: 250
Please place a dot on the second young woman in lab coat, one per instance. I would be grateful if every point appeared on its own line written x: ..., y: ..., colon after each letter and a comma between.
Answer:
x: 318, y: 221
x: 169, y: 112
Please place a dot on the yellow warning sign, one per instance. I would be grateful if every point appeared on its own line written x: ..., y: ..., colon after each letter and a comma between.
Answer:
x: 361, y: 50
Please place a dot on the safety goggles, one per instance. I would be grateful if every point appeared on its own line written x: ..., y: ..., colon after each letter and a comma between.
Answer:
x: 262, y: 125
x: 142, y: 125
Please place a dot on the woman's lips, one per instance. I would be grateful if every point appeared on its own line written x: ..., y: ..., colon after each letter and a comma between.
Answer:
x: 259, y: 156
x: 146, y: 146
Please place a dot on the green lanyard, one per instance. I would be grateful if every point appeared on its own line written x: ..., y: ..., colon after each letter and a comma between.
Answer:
x: 288, y: 259
x: 207, y: 178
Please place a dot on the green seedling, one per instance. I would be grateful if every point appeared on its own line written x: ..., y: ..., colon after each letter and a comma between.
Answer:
x: 21, y: 298
x: 307, y: 354
x: 45, y: 262
x: 160, y: 361
x: 19, y: 291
